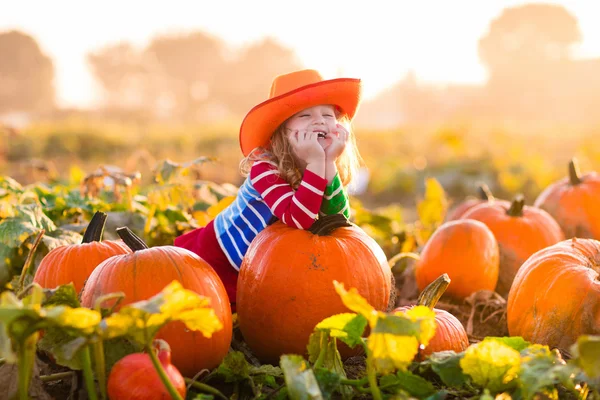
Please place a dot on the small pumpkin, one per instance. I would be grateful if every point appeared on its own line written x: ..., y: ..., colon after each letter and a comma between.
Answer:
x: 144, y: 273
x: 520, y: 231
x: 450, y: 333
x: 573, y: 202
x: 285, y: 286
x: 555, y: 296
x: 484, y: 195
x: 75, y: 262
x: 467, y: 251
x: 134, y: 377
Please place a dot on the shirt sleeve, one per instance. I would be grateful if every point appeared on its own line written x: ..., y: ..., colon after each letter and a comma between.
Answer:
x: 298, y: 208
x: 335, y: 199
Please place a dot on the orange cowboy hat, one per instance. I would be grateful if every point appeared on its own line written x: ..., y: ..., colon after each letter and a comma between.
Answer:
x: 291, y: 93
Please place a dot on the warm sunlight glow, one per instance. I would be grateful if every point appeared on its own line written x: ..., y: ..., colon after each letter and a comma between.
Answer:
x: 379, y: 41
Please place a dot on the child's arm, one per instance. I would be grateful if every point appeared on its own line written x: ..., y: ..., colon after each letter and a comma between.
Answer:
x: 335, y: 199
x: 296, y: 209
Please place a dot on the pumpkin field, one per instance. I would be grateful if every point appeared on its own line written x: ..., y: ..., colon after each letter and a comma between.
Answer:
x: 457, y: 295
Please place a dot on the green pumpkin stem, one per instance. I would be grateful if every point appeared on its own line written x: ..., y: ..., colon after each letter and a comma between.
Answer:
x: 131, y: 239
x: 95, y: 229
x: 516, y: 207
x: 484, y: 192
x: 574, y: 176
x: 328, y: 223
x: 432, y: 293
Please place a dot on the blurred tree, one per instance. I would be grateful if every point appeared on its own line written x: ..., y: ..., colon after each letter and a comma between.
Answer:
x: 190, y: 63
x: 526, y: 49
x: 247, y: 80
x: 120, y: 71
x: 26, y: 74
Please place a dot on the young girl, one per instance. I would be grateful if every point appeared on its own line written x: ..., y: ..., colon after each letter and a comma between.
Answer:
x: 299, y: 155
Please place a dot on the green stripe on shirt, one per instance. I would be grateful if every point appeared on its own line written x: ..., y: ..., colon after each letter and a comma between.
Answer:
x: 335, y: 198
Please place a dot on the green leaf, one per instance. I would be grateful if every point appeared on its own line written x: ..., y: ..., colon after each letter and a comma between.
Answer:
x: 15, y: 231
x: 514, y: 342
x: 82, y: 320
x: 234, y: 367
x: 347, y: 327
x: 266, y: 369
x: 60, y: 237
x: 586, y: 354
x: 329, y: 381
x: 492, y: 365
x: 64, y: 295
x: 447, y: 365
x: 34, y: 215
x: 542, y: 369
x: 409, y: 382
x: 11, y: 185
x: 165, y: 170
x: 300, y: 380
x: 62, y: 346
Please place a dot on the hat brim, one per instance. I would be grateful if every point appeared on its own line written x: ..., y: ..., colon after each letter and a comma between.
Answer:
x: 262, y: 120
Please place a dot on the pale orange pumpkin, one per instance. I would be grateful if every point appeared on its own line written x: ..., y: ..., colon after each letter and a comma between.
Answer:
x: 573, y: 202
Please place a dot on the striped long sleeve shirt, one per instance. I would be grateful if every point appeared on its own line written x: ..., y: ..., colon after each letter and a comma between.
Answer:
x: 265, y: 194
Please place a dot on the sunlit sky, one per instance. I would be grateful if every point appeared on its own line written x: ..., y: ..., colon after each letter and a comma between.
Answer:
x: 378, y: 41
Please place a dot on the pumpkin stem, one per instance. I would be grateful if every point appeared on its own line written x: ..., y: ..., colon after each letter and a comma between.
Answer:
x: 574, y: 177
x: 516, y: 207
x: 95, y: 229
x: 432, y: 293
x: 484, y: 192
x: 131, y: 239
x: 328, y: 223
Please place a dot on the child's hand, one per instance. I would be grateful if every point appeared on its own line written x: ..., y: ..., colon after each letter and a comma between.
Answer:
x: 306, y: 146
x: 338, y: 143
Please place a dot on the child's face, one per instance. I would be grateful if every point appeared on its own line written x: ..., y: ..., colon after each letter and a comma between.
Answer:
x: 319, y: 119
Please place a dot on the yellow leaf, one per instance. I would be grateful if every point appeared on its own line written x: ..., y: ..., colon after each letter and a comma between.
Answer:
x: 204, y: 320
x: 82, y: 319
x: 220, y: 206
x: 390, y: 352
x: 432, y: 209
x: 426, y: 316
x: 491, y: 364
x: 355, y: 302
x: 202, y: 218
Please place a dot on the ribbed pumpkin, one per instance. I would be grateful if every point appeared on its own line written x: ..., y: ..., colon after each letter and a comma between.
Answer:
x: 555, y: 296
x: 520, y: 231
x: 484, y: 195
x: 75, y: 262
x: 573, y: 202
x: 285, y: 286
x: 467, y: 251
x: 450, y: 333
x: 144, y: 273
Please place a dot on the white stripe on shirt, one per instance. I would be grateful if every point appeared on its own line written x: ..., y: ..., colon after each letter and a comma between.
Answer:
x: 311, y: 188
x: 285, y: 196
x: 332, y: 195
x: 303, y: 208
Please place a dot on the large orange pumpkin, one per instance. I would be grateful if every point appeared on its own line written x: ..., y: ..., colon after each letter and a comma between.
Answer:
x: 467, y: 251
x: 144, y: 273
x: 555, y: 296
x: 573, y: 202
x: 520, y: 231
x: 484, y: 195
x: 450, y: 333
x: 285, y: 287
x: 75, y: 262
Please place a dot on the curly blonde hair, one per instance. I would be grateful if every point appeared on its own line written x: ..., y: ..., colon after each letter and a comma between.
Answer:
x: 279, y: 151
